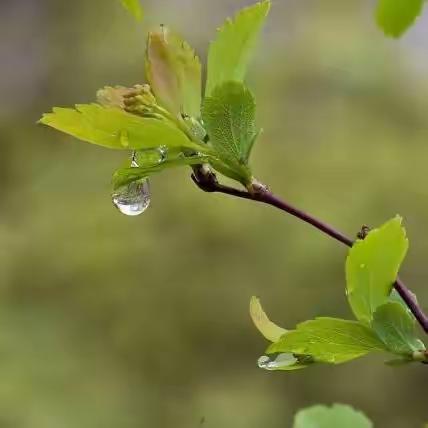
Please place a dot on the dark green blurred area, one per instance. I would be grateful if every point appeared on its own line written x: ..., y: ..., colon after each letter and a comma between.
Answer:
x: 109, y: 321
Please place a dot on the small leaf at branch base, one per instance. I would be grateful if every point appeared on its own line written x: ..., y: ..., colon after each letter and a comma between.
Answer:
x: 113, y: 128
x: 230, y: 52
x: 396, y: 328
x: 329, y: 340
x: 337, y: 416
x: 267, y: 328
x: 125, y: 176
x: 372, y: 267
x: 133, y: 7
x: 174, y: 73
x: 396, y: 16
x: 229, y: 118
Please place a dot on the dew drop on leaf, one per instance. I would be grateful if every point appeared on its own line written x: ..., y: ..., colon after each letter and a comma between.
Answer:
x: 277, y: 362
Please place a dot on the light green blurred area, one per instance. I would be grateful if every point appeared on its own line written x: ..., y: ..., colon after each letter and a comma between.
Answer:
x: 108, y: 321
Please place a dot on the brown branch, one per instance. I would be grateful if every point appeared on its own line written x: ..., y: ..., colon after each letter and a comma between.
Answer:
x: 209, y: 183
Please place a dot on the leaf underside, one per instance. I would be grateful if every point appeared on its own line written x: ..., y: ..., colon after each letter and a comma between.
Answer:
x: 267, y: 328
x: 396, y: 328
x: 125, y: 176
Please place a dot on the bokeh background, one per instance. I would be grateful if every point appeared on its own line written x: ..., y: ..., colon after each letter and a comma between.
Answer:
x: 108, y: 321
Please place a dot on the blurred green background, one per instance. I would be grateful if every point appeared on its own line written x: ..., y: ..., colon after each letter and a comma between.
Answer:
x: 108, y: 321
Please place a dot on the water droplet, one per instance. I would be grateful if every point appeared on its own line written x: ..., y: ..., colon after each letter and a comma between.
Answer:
x: 150, y: 157
x: 132, y: 199
x: 263, y: 361
x: 163, y: 152
x: 362, y: 265
x: 124, y: 138
x: 277, y: 362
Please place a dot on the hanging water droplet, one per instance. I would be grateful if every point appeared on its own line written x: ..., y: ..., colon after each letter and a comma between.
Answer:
x: 124, y: 138
x: 134, y: 198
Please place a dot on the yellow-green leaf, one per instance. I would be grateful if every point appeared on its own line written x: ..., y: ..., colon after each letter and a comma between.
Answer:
x: 329, y: 340
x: 396, y: 16
x: 372, y: 267
x: 267, y: 328
x: 231, y: 51
x: 113, y: 128
x: 396, y: 328
x: 133, y: 7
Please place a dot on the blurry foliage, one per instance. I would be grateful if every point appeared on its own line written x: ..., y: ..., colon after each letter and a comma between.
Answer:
x: 396, y: 16
x: 336, y: 416
x: 99, y: 325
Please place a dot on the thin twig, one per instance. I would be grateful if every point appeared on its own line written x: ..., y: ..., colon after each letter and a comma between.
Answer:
x: 266, y: 197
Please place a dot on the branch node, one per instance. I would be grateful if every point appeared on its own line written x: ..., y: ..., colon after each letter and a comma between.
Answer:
x: 204, y: 178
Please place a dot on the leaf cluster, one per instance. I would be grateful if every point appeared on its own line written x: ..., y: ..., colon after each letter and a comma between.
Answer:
x: 383, y: 322
x: 171, y: 111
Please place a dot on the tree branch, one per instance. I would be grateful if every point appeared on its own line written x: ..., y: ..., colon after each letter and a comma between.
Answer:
x: 209, y: 183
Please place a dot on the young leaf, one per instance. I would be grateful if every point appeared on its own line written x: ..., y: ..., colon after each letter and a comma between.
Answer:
x: 113, y: 128
x: 229, y: 118
x: 230, y: 53
x: 395, y: 16
x: 396, y: 328
x: 372, y: 266
x: 329, y: 340
x: 174, y: 73
x: 125, y: 176
x: 337, y: 416
x: 134, y: 7
x: 267, y: 328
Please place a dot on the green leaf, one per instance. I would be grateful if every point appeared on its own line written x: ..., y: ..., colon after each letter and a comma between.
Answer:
x: 113, y: 128
x: 372, y: 267
x: 151, y: 166
x: 394, y: 17
x: 134, y: 7
x: 267, y: 328
x: 230, y: 52
x: 229, y: 118
x: 396, y: 328
x: 337, y: 416
x: 329, y: 340
x: 174, y: 72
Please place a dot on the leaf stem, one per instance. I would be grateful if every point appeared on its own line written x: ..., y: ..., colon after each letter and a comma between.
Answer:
x: 266, y: 197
